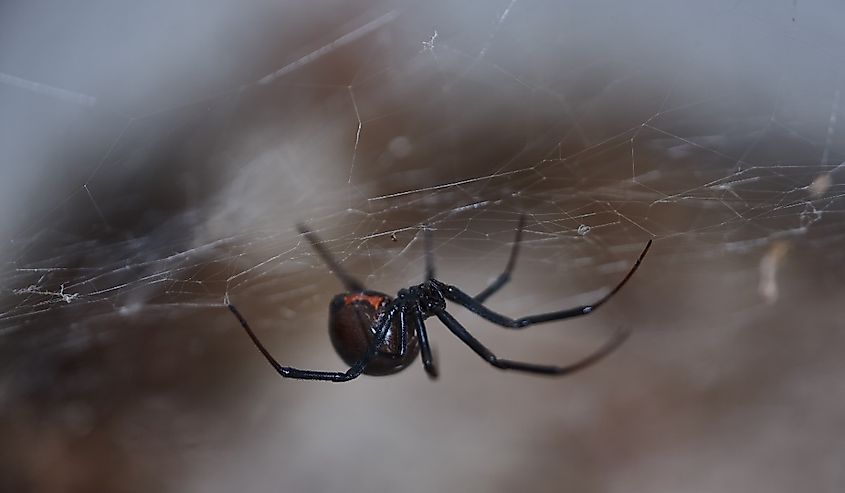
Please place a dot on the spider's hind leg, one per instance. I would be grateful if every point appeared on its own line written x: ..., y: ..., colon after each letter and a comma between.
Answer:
x: 329, y: 376
x: 351, y: 284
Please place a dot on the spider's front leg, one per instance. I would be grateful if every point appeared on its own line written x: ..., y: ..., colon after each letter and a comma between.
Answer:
x: 472, y: 304
x: 425, y: 346
x: 505, y: 276
x: 506, y: 364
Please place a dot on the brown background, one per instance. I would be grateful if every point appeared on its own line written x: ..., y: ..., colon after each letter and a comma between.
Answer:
x: 711, y: 128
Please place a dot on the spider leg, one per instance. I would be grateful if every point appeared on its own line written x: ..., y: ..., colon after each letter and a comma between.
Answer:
x: 330, y: 376
x: 506, y: 364
x: 403, y: 330
x: 505, y: 276
x: 350, y: 282
x: 454, y: 294
x: 425, y: 346
x: 429, y: 258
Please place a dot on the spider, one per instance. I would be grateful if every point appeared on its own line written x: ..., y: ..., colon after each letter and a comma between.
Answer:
x: 379, y: 335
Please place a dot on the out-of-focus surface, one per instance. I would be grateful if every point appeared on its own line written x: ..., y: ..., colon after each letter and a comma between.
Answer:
x: 157, y: 156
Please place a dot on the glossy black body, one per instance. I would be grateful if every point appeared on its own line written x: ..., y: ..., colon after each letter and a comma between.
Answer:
x: 353, y: 320
x: 379, y: 335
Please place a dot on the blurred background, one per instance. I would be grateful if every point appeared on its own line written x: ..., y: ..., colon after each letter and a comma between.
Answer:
x: 156, y: 157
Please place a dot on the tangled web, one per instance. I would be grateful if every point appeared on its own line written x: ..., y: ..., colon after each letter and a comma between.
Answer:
x: 397, y: 118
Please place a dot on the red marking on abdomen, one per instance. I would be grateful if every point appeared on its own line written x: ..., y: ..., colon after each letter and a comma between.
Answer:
x: 373, y: 300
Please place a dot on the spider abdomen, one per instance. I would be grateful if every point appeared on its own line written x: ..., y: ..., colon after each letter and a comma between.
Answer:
x: 352, y: 318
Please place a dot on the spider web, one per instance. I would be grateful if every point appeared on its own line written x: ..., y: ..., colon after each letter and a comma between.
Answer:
x: 149, y: 189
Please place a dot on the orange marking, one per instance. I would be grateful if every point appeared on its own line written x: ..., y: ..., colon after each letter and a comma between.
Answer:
x: 373, y: 300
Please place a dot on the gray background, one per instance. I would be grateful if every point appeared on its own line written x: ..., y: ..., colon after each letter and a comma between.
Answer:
x: 157, y: 156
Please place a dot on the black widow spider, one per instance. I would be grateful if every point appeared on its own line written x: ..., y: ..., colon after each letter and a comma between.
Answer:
x: 379, y: 335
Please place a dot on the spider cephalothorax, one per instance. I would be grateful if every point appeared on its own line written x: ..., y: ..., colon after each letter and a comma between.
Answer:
x: 379, y: 335
x: 426, y: 297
